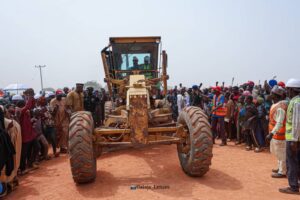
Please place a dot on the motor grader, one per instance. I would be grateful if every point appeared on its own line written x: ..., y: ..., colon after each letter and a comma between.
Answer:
x: 136, y: 76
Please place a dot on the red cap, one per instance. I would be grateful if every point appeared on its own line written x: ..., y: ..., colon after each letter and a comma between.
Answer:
x: 59, y: 92
x: 281, y: 84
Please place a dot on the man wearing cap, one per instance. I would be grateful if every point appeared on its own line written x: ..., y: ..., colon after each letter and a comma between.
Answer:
x: 277, y: 120
x: 218, y: 113
x: 61, y: 120
x: 292, y: 136
x: 75, y: 99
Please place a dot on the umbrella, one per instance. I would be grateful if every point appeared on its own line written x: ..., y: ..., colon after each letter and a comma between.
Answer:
x: 16, y: 86
x: 17, y: 97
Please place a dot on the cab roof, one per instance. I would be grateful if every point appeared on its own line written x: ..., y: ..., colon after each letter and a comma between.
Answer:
x: 147, y: 39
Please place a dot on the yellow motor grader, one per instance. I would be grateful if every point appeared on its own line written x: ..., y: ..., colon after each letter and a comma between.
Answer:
x: 136, y: 76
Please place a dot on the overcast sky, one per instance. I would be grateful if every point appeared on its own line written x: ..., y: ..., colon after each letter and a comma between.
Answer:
x: 206, y: 41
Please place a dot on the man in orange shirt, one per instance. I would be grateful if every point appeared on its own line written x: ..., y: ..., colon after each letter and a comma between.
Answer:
x: 218, y: 113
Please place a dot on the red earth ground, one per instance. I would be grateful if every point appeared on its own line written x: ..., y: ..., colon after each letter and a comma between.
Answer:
x: 234, y: 174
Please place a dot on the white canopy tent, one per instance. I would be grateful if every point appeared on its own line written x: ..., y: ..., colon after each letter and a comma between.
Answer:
x: 15, y: 87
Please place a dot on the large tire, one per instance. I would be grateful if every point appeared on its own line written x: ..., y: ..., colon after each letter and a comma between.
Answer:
x: 198, y: 143
x: 82, y: 158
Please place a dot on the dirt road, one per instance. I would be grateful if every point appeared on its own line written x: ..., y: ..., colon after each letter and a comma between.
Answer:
x: 234, y: 174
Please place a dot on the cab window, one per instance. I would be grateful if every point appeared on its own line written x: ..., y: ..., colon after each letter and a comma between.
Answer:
x: 128, y: 63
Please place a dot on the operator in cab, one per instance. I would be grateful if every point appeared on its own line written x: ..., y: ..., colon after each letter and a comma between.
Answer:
x: 135, y: 61
x: 147, y: 66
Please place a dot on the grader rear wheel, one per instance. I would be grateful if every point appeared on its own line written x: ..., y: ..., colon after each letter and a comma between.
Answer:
x: 195, y: 151
x: 82, y: 158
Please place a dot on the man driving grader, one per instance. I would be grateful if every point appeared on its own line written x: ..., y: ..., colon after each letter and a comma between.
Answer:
x: 136, y: 121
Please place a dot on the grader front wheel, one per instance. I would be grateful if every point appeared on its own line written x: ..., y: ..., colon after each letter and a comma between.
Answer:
x: 82, y: 158
x: 195, y: 150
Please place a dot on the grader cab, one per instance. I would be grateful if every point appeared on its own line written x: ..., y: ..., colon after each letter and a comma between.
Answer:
x: 136, y: 77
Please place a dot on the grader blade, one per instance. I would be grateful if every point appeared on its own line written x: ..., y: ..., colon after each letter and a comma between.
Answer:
x: 138, y: 119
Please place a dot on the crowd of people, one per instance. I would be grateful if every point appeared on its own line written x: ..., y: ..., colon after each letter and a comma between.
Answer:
x: 30, y: 123
x: 259, y: 116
